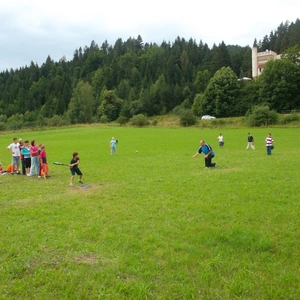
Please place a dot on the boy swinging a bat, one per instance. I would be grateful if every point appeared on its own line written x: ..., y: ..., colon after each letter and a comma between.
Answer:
x: 74, y: 168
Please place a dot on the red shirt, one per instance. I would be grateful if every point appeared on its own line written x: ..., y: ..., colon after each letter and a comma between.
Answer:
x: 43, y: 157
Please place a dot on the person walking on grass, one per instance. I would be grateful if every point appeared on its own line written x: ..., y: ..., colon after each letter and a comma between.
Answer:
x: 269, y: 144
x: 74, y: 168
x: 208, y: 152
x: 250, y: 141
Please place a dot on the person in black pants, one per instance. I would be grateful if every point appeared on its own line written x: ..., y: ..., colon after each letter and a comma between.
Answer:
x: 208, y: 152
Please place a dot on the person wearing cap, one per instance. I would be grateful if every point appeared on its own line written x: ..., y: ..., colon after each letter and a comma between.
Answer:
x: 14, y: 149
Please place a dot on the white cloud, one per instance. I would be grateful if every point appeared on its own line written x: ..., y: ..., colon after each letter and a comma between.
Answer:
x: 31, y: 30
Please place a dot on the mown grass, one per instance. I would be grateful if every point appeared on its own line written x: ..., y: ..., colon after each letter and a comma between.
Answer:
x: 154, y: 224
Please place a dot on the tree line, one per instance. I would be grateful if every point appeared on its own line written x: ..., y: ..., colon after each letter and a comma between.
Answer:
x: 104, y: 83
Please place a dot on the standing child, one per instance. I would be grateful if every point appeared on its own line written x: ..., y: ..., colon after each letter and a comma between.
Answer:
x: 250, y: 142
x: 22, y: 145
x: 43, y: 162
x: 14, y: 149
x: 221, y: 140
x: 113, y: 146
x: 27, y: 157
x: 35, y: 161
x: 74, y: 168
x: 269, y: 144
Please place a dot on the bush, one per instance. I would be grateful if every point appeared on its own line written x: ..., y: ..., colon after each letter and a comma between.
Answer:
x: 187, y: 118
x: 294, y: 117
x: 218, y: 122
x: 261, y: 116
x: 58, y: 121
x: 154, y: 122
x: 139, y: 120
x: 121, y: 120
x: 3, y: 118
x: 178, y: 110
x: 2, y: 126
x: 104, y: 119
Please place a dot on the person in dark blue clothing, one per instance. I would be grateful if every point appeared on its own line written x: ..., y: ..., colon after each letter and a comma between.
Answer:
x: 208, y: 152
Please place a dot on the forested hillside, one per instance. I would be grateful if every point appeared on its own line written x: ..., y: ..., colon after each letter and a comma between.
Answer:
x: 102, y: 83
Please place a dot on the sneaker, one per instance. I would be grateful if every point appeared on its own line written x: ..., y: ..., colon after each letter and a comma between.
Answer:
x: 39, y: 176
x: 28, y: 174
x: 71, y: 184
x: 80, y: 181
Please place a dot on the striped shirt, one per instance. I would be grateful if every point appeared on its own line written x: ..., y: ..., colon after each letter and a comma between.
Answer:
x: 269, y: 141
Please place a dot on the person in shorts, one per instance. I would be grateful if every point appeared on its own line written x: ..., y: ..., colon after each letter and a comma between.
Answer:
x: 27, y: 157
x: 221, y: 140
x: 14, y: 149
x: 74, y: 168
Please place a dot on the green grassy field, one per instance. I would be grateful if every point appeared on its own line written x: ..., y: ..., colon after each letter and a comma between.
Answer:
x: 154, y: 224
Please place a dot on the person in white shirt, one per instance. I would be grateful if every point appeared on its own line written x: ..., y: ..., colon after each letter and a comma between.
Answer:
x: 221, y: 140
x: 14, y: 149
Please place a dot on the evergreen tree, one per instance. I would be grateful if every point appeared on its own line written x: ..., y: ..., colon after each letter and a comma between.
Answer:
x: 81, y: 107
x: 279, y: 85
x: 222, y: 94
x: 110, y: 106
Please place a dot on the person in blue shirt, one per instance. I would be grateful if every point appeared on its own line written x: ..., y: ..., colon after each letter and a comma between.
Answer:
x: 27, y: 157
x: 208, y: 152
x: 113, y: 146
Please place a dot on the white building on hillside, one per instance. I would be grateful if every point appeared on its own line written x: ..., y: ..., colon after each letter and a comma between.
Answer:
x: 259, y: 60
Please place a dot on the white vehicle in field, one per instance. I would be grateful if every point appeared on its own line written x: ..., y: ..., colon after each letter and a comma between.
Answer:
x: 207, y: 117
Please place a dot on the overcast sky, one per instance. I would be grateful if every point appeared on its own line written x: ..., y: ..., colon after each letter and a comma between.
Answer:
x: 30, y: 30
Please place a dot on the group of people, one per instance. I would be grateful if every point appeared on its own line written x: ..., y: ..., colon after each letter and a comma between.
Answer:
x: 209, y: 154
x: 269, y: 143
x: 31, y: 159
x: 27, y: 158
